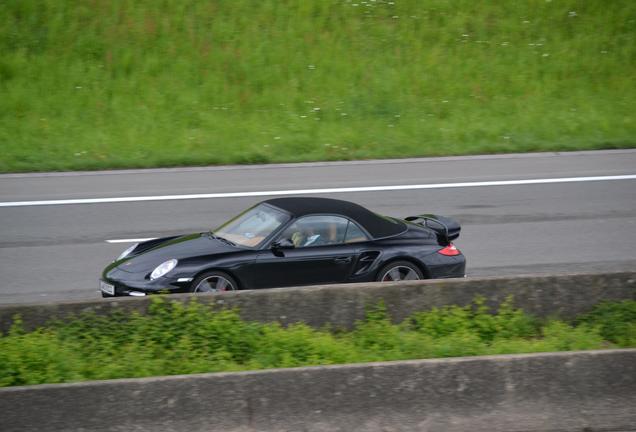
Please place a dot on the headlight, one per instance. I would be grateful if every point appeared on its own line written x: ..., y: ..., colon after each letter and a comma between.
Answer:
x: 163, y: 268
x: 127, y: 252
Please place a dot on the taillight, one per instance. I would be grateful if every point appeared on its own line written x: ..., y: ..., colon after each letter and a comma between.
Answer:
x: 450, y: 250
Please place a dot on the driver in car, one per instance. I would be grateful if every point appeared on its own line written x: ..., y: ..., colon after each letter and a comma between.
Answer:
x: 311, y: 235
x: 306, y: 237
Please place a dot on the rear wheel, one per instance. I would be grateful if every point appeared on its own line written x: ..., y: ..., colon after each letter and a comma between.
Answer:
x: 399, y: 271
x: 214, y: 281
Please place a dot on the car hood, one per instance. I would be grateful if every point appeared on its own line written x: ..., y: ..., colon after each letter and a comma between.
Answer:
x: 176, y: 248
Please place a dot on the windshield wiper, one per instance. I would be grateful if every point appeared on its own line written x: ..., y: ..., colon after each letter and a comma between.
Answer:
x: 224, y: 240
x: 231, y: 243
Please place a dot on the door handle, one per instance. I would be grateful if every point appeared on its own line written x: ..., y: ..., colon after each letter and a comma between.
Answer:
x: 343, y: 260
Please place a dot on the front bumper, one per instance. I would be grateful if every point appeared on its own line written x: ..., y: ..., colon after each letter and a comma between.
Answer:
x: 119, y: 288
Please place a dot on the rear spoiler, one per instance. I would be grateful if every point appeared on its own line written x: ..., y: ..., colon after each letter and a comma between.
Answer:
x: 447, y: 229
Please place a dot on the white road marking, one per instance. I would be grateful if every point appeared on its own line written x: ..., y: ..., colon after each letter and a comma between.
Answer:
x: 137, y: 240
x: 317, y: 191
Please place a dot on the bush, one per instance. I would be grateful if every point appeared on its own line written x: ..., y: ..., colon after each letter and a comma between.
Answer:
x: 176, y: 338
x: 616, y: 322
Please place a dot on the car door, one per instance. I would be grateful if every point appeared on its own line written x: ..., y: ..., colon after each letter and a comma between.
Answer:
x: 319, y: 256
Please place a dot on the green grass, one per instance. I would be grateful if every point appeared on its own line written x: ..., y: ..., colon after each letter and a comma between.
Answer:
x: 177, y: 339
x: 93, y: 84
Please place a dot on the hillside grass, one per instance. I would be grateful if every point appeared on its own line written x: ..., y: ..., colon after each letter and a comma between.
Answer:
x: 94, y: 84
x: 177, y: 339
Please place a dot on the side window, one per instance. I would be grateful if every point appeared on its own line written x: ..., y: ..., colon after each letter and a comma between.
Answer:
x: 316, y: 231
x: 355, y: 234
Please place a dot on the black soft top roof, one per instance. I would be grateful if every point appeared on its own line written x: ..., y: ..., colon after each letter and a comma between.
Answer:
x: 376, y: 225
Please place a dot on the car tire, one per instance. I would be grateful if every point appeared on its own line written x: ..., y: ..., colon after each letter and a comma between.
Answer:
x: 398, y: 271
x: 213, y: 281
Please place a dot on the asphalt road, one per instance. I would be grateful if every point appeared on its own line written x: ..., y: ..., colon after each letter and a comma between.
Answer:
x: 56, y: 252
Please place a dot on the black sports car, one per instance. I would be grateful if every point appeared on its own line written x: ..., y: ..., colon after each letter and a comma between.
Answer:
x: 290, y: 242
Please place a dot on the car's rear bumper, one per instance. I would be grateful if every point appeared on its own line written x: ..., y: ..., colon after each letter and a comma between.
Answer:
x: 445, y: 267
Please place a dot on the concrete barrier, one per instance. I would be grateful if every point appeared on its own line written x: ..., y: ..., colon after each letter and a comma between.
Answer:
x: 581, y: 391
x: 565, y: 295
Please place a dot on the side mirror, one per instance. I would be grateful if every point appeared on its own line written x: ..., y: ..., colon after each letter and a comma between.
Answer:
x: 283, y: 244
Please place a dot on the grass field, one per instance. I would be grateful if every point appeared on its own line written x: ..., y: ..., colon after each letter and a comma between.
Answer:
x: 93, y: 84
x: 176, y: 339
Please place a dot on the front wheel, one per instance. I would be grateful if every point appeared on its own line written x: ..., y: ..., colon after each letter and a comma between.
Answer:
x: 214, y: 281
x: 399, y: 271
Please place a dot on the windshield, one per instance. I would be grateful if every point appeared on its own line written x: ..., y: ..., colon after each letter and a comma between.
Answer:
x: 252, y: 226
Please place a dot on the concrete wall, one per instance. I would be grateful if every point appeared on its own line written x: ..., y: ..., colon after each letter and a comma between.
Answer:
x: 552, y: 295
x: 583, y: 391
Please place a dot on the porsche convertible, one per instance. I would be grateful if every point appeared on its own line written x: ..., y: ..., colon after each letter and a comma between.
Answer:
x: 286, y: 242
